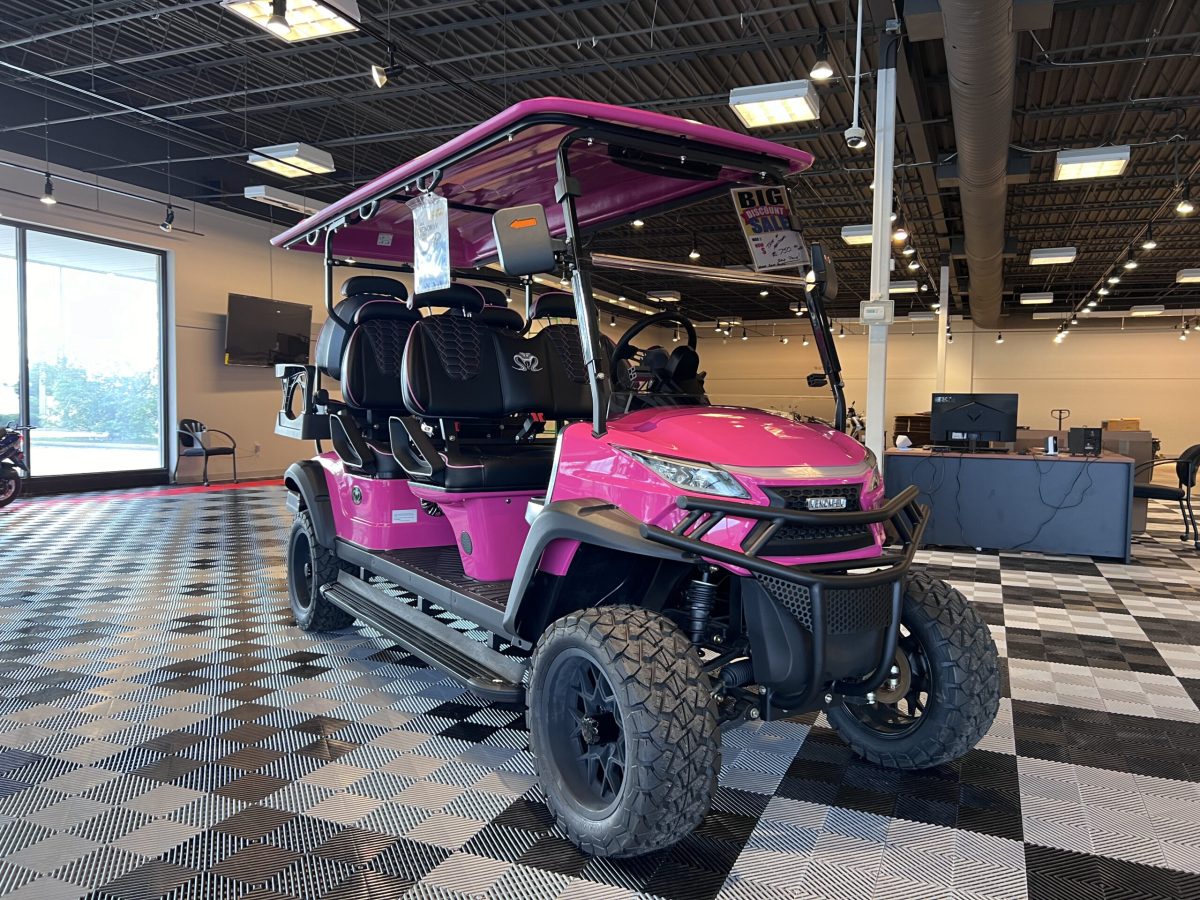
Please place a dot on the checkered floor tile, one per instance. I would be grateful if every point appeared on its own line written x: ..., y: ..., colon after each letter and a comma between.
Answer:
x: 165, y: 732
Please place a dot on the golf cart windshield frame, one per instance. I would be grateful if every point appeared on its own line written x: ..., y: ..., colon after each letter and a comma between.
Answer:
x: 688, y: 145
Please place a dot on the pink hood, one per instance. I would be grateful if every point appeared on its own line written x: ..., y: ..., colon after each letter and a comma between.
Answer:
x: 733, y: 436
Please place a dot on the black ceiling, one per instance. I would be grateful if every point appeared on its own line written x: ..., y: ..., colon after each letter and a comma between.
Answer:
x: 125, y: 84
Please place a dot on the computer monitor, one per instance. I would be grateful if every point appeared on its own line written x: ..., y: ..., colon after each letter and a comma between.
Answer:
x: 973, y: 418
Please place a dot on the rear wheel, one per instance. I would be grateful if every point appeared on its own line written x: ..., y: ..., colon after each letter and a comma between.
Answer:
x: 624, y: 727
x: 10, y: 485
x: 309, y: 567
x: 944, y: 689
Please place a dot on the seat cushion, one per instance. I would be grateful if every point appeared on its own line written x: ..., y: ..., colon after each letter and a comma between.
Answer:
x: 494, y: 468
x: 1157, y: 492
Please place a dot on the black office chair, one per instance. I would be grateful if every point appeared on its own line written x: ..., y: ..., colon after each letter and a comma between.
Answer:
x: 1186, y: 465
x: 192, y: 443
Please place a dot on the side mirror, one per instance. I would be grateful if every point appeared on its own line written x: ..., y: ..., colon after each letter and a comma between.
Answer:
x: 822, y: 274
x: 523, y: 240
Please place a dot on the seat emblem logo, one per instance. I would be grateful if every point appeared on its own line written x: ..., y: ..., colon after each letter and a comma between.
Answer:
x: 526, y: 362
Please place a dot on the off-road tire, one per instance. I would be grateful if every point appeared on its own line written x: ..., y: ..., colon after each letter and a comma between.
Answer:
x: 966, y: 683
x: 312, y: 611
x: 11, y: 485
x: 669, y: 725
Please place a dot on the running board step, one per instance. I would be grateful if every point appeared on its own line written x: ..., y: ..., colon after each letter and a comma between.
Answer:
x: 493, y: 676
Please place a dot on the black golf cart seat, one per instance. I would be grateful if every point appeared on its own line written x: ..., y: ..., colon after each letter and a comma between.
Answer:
x: 365, y: 355
x: 496, y: 312
x: 462, y: 370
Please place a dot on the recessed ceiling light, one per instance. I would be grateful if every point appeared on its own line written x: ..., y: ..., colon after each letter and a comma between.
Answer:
x: 293, y: 160
x: 775, y: 104
x: 299, y: 20
x: 1052, y: 256
x: 1091, y: 162
x: 1038, y: 298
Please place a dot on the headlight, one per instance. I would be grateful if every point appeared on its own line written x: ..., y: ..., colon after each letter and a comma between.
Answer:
x: 876, y: 479
x: 698, y: 477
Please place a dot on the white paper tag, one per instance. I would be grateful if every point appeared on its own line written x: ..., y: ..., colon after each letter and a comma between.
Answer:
x: 431, y: 243
x: 404, y: 516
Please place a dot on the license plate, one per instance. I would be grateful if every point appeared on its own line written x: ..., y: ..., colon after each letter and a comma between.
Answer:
x: 826, y: 503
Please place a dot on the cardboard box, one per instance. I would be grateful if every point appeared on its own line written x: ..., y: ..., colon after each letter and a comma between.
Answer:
x: 1121, y: 424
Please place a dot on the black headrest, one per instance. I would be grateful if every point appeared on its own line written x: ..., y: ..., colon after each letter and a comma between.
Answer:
x: 374, y: 284
x: 501, y: 317
x: 493, y: 296
x: 365, y: 307
x: 466, y: 297
x: 553, y: 305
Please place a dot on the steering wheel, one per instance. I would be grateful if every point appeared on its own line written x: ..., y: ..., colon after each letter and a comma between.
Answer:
x: 650, y: 363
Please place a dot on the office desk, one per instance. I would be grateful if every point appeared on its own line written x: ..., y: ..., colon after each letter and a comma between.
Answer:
x: 1006, y: 501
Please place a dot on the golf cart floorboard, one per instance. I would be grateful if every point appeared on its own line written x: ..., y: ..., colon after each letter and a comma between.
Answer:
x: 443, y: 565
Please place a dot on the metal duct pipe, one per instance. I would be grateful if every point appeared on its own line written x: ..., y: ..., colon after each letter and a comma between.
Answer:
x: 981, y: 60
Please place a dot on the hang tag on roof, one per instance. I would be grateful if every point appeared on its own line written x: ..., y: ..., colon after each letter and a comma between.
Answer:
x: 431, y: 243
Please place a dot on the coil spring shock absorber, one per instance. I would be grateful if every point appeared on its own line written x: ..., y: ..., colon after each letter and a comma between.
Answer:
x: 701, y: 596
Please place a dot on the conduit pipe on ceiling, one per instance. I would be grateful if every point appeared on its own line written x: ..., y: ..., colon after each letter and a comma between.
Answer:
x: 981, y: 61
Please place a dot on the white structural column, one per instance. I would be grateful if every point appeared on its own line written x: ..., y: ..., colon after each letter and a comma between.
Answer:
x: 943, y: 324
x: 881, y: 237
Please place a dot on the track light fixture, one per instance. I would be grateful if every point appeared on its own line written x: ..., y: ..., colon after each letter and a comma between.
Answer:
x: 612, y: 319
x: 675, y: 336
x: 48, y: 191
x: 1114, y: 279
x: 693, y: 254
x: 841, y: 331
x: 745, y: 336
x: 999, y: 337
x: 637, y: 223
x: 804, y: 343
x: 924, y: 288
x: 783, y: 340
x: 1130, y: 262
x: 168, y: 223
x: 1149, y: 243
x: 949, y: 334
x: 1074, y: 319
x: 763, y: 293
x: 913, y: 265
x: 899, y: 233
x: 909, y: 250
x: 1103, y: 292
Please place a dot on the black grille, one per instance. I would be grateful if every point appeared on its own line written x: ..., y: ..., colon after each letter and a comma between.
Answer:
x: 806, y: 540
x: 847, y: 610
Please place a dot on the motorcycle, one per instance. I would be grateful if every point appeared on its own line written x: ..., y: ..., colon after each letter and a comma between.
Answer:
x: 13, y: 468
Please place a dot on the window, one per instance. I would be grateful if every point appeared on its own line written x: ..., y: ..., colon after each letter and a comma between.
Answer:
x: 92, y: 353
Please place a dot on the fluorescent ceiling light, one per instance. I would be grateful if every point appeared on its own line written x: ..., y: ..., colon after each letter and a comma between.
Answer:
x: 663, y: 296
x: 1051, y: 256
x: 293, y: 160
x: 274, y: 196
x: 1037, y: 299
x: 306, y: 19
x: 921, y: 316
x: 1187, y: 276
x: 902, y: 287
x: 1153, y: 309
x: 856, y: 235
x: 1091, y: 162
x: 775, y: 104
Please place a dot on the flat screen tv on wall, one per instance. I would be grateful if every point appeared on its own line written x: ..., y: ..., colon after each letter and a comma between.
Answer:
x: 261, y: 332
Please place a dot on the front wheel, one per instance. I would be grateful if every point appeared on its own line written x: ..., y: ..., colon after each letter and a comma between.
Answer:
x: 624, y: 728
x: 944, y: 688
x: 10, y: 485
x: 310, y: 567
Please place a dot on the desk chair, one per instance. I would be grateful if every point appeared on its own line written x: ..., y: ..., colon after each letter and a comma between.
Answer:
x: 1186, y: 465
x: 193, y: 442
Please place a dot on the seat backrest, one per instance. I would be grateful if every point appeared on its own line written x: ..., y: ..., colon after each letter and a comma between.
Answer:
x: 191, y: 433
x: 463, y: 367
x: 565, y: 352
x: 366, y: 352
x: 1186, y: 467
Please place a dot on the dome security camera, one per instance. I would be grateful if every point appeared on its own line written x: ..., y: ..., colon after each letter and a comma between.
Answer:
x: 856, y: 137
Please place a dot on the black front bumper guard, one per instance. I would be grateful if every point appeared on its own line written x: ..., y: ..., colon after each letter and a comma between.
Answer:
x: 905, y: 517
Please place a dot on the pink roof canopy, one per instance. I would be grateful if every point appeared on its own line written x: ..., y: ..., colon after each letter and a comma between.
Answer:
x: 509, y: 160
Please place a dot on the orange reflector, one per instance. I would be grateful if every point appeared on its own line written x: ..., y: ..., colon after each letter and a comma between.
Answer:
x: 522, y: 223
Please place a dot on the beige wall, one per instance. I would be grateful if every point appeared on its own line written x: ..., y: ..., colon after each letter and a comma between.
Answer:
x: 1098, y: 373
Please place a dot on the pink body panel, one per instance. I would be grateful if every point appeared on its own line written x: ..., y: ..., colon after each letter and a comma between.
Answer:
x: 761, y: 449
x: 495, y: 523
x: 388, y: 516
